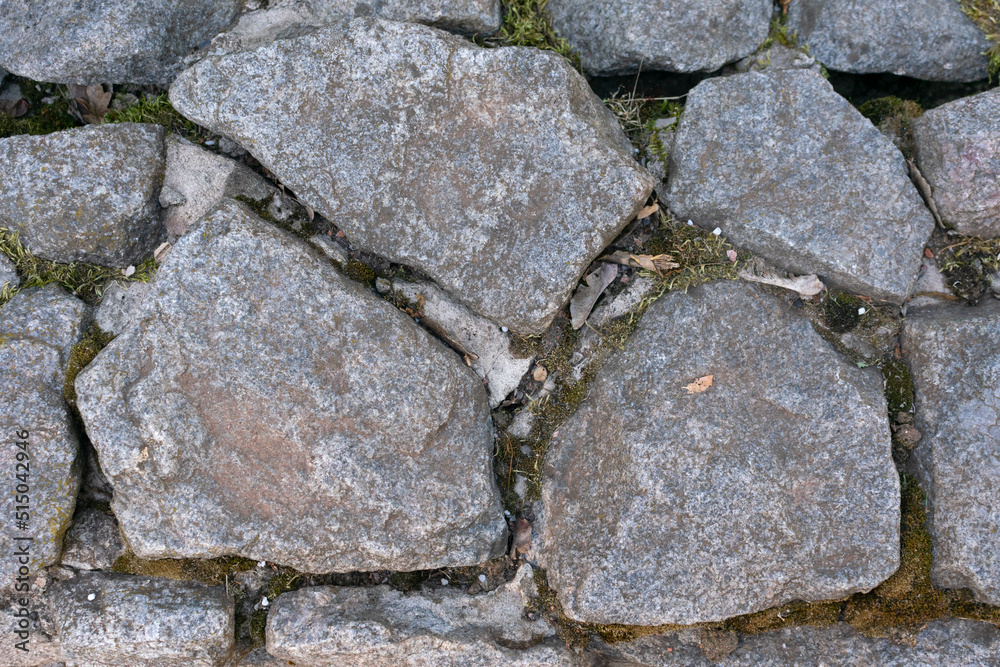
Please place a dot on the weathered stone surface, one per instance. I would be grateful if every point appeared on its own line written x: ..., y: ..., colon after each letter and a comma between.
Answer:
x: 956, y: 377
x: 486, y: 345
x: 671, y: 35
x: 122, y: 620
x: 8, y: 273
x: 790, y: 170
x: 120, y: 305
x: 957, y: 147
x: 38, y: 328
x: 340, y: 627
x: 774, y: 484
x: 497, y: 172
x: 196, y: 180
x: 777, y: 57
x: 266, y: 406
x: 106, y: 41
x: 943, y: 642
x: 925, y: 39
x: 37, y: 628
x: 92, y: 542
x: 290, y: 16
x: 86, y: 194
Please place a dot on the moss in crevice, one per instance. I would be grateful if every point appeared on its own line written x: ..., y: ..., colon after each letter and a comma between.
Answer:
x: 85, y: 281
x: 968, y: 262
x: 210, y: 571
x: 986, y: 15
x: 41, y: 118
x: 297, y: 224
x: 894, y: 116
x: 93, y: 341
x: 898, y: 385
x: 528, y: 23
x: 157, y: 110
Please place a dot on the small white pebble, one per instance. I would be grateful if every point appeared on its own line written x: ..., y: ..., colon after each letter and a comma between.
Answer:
x: 690, y: 223
x: 210, y: 142
x: 261, y: 563
x: 861, y: 311
x: 444, y: 582
x: 504, y: 329
x: 717, y: 231
x: 506, y: 513
x: 91, y: 596
x: 128, y: 272
x: 264, y: 601
x: 482, y: 578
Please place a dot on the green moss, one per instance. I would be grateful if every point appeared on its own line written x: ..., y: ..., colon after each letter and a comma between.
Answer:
x: 211, y: 571
x: 968, y: 262
x: 83, y: 280
x: 282, y: 582
x: 779, y: 34
x: 157, y: 110
x: 527, y: 23
x: 898, y: 385
x: 41, y: 118
x: 986, y: 14
x: 360, y: 272
x: 895, y: 116
x: 840, y: 311
x: 297, y: 224
x: 82, y: 354
x: 258, y: 627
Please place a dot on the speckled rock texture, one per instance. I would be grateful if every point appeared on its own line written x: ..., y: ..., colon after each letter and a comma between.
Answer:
x: 127, y: 621
x: 469, y: 17
x: 93, y: 541
x: 379, y: 627
x: 671, y: 35
x: 774, y: 484
x: 777, y: 57
x: 38, y: 328
x: 266, y: 406
x: 8, y: 273
x: 497, y: 172
x: 37, y: 627
x: 120, y: 305
x: 87, y: 194
x: 957, y: 147
x: 196, y: 180
x: 106, y: 41
x: 956, y: 376
x: 923, y: 39
x: 790, y: 170
x: 949, y: 641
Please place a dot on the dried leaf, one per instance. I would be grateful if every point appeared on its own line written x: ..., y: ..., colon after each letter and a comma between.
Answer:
x: 648, y: 211
x: 656, y: 263
x: 161, y: 252
x: 924, y: 188
x: 311, y: 213
x: 539, y: 374
x: 587, y: 294
x: 699, y: 385
x: 15, y: 108
x: 90, y: 103
x: 809, y: 285
x: 522, y: 537
x: 129, y: 271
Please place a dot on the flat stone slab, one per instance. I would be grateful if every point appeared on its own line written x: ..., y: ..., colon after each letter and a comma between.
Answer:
x: 330, y: 626
x: 497, y: 172
x: 261, y: 404
x: 109, y: 41
x: 93, y: 541
x: 948, y: 641
x: 787, y: 168
x: 87, y: 194
x: 116, y: 619
x: 924, y: 39
x: 740, y: 463
x: 670, y: 35
x: 957, y: 147
x: 38, y: 328
x: 952, y: 353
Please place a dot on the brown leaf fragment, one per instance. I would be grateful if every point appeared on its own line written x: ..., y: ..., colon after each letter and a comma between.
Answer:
x: 539, y: 374
x: 161, y: 252
x: 522, y: 537
x: 655, y: 263
x: 699, y: 385
x: 647, y: 211
x: 587, y: 293
x: 925, y: 190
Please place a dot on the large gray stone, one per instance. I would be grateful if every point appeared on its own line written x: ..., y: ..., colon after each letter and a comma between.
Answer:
x: 116, y: 620
x: 774, y: 484
x: 497, y: 172
x: 87, y: 194
x: 378, y: 627
x: 38, y: 328
x: 957, y: 147
x: 948, y: 641
x: 956, y: 377
x: 924, y: 39
x: 790, y: 170
x: 106, y: 41
x: 264, y: 405
x: 120, y: 305
x: 28, y: 630
x: 671, y: 35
